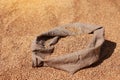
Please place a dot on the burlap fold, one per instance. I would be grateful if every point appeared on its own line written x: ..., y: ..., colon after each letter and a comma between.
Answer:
x: 71, y: 62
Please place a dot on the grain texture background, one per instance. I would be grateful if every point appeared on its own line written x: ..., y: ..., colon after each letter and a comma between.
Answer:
x: 22, y: 20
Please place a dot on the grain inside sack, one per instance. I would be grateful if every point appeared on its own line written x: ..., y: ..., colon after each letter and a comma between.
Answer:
x: 70, y: 44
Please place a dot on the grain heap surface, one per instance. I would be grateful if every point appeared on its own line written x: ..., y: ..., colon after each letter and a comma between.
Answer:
x: 22, y: 20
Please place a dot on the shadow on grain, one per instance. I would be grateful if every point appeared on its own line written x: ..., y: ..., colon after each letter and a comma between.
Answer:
x: 107, y: 50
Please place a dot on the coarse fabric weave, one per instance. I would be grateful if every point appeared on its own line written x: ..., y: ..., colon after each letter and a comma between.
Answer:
x: 71, y: 62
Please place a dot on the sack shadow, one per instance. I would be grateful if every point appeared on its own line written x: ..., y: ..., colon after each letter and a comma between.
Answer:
x: 107, y: 50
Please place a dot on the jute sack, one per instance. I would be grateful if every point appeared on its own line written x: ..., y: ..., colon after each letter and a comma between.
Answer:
x: 71, y: 62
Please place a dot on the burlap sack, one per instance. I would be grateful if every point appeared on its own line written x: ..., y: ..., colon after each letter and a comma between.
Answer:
x: 71, y: 62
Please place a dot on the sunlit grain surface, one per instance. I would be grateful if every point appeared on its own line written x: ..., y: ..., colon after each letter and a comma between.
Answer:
x: 22, y: 20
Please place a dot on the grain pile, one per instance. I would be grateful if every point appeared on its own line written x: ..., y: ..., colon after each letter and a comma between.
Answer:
x: 22, y: 20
